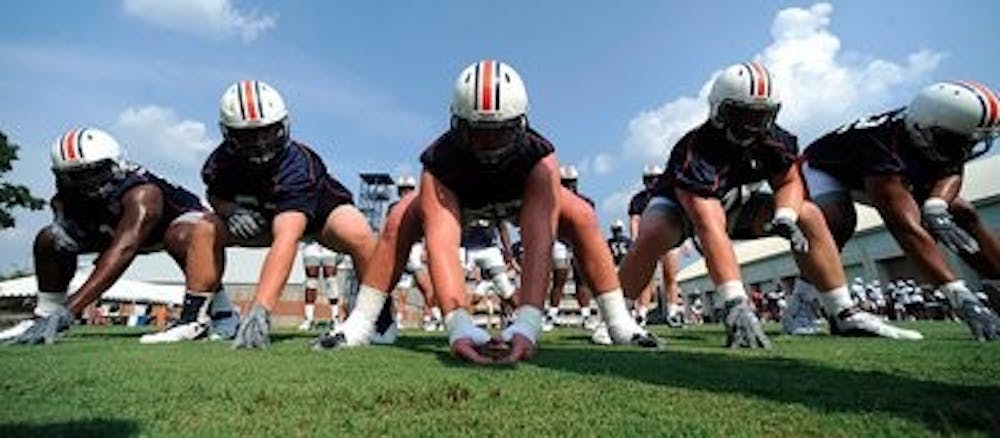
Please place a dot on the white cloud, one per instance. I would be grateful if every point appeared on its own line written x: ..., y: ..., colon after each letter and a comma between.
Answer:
x: 163, y: 134
x: 615, y: 205
x: 819, y: 86
x: 604, y: 163
x: 207, y: 18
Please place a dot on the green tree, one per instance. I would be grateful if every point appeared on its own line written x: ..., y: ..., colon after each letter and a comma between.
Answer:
x: 12, y: 195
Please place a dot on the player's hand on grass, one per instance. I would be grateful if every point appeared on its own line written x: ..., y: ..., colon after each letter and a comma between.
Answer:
x: 519, y: 348
x: 44, y: 329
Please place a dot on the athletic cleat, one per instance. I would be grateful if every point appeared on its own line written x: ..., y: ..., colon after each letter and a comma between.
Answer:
x: 548, y: 323
x: 307, y: 325
x: 329, y: 341
x: 640, y: 320
x: 856, y: 322
x: 16, y: 330
x: 387, y: 336
x: 589, y: 322
x: 187, y: 331
x: 647, y: 340
x: 601, y: 335
x: 676, y: 320
x: 430, y: 324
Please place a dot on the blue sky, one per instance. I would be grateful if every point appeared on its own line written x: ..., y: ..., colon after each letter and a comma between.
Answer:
x: 613, y: 84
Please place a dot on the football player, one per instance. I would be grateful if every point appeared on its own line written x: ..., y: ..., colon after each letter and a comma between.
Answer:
x: 908, y: 164
x: 563, y: 263
x: 320, y: 263
x: 740, y: 144
x: 669, y: 263
x: 416, y: 270
x: 117, y: 209
x: 490, y: 165
x: 271, y: 191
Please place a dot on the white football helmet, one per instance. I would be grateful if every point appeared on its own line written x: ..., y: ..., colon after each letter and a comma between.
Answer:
x: 406, y: 181
x: 88, y: 161
x: 568, y: 173
x: 246, y: 110
x: 617, y: 226
x: 489, y: 91
x: 652, y: 170
x: 744, y: 102
x: 948, y: 119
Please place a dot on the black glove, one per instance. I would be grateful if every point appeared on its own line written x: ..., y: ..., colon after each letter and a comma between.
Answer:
x: 245, y: 223
x: 940, y: 223
x: 788, y: 228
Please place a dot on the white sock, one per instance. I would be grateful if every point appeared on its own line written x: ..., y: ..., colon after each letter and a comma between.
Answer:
x: 367, y: 307
x: 334, y: 310
x: 642, y: 311
x: 611, y: 304
x: 836, y: 300
x: 310, y: 311
x: 436, y: 313
x: 731, y: 290
x: 673, y: 309
x: 50, y: 302
x: 957, y: 292
x: 585, y: 312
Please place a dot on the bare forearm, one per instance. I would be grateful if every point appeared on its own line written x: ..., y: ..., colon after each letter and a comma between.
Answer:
x: 109, y: 268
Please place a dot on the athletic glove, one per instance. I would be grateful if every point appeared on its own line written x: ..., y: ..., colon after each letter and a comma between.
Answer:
x: 245, y: 223
x: 940, y: 223
x: 788, y: 228
x: 45, y: 329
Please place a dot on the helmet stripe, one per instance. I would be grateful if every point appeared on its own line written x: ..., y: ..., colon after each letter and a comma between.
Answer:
x: 79, y: 140
x: 763, y: 90
x: 989, y: 100
x: 239, y: 98
x: 496, y: 87
x: 753, y: 80
x: 69, y: 145
x: 486, y: 93
x: 260, y: 102
x: 250, y: 100
x: 475, y: 88
x: 984, y: 118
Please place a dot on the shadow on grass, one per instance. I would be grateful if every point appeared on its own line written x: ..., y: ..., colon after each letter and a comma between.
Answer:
x: 946, y: 408
x: 942, y: 407
x: 101, y: 427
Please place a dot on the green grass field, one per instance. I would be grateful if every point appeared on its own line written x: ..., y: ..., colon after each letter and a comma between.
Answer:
x: 102, y: 382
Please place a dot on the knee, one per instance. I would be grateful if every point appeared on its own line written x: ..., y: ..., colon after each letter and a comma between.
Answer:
x: 964, y: 213
x: 45, y: 242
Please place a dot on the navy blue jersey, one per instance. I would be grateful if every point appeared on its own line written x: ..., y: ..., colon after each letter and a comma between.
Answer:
x: 619, y: 246
x: 706, y: 163
x: 479, y: 234
x: 876, y: 145
x: 94, y: 220
x: 638, y: 203
x: 298, y: 181
x: 484, y: 191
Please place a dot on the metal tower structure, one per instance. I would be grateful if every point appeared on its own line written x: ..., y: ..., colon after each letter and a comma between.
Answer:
x: 374, y: 194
